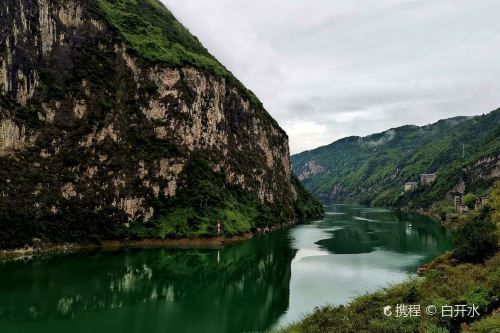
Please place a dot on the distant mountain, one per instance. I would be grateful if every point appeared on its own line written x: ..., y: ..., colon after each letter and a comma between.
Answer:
x: 464, y: 152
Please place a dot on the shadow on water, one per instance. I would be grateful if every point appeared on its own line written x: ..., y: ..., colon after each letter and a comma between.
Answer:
x: 269, y: 281
x: 356, y: 249
x: 365, y: 230
x: 235, y: 289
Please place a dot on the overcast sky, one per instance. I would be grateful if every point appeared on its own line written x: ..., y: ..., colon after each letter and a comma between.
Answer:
x: 326, y: 69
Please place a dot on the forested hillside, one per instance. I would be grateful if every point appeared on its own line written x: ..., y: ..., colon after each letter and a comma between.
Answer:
x: 464, y: 152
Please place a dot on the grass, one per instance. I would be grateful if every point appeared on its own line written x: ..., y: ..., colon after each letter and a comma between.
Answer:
x: 155, y: 36
x: 487, y: 325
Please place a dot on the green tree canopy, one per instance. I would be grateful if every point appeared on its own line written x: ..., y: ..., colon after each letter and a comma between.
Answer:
x: 469, y: 200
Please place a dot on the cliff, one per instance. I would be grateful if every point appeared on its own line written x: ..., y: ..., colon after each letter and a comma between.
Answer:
x: 115, y: 122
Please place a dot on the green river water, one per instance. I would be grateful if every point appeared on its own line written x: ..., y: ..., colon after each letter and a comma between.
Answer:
x: 260, y: 284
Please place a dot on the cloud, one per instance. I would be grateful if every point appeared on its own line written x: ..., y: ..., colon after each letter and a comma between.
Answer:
x: 388, y: 136
x: 305, y: 132
x: 355, y: 67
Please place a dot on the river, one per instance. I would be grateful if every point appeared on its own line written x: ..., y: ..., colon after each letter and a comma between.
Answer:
x: 260, y: 284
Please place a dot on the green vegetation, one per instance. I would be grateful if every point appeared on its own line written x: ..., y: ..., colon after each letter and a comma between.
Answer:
x: 469, y: 200
x: 487, y: 325
x: 373, y: 169
x: 306, y: 205
x: 102, y: 169
x: 476, y: 237
x: 155, y: 36
x: 445, y: 284
x: 450, y: 280
x: 494, y: 203
x: 205, y: 197
x: 442, y: 208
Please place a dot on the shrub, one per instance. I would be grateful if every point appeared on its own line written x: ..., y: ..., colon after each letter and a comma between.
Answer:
x: 306, y: 205
x: 476, y: 239
x: 487, y: 325
x: 494, y: 203
x: 469, y: 200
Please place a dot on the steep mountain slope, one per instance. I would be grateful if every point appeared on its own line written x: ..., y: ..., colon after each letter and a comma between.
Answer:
x: 464, y: 152
x: 115, y: 122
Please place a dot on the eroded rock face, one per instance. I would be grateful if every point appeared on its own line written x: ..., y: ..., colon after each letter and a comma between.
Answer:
x: 486, y: 168
x: 310, y: 168
x: 12, y: 137
x: 93, y: 131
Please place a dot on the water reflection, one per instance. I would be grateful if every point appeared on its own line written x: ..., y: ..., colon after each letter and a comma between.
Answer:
x: 356, y: 249
x: 241, y: 288
x: 271, y: 280
x: 368, y: 229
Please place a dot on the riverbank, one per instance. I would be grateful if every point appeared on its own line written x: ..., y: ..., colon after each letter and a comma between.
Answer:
x: 466, y: 277
x: 449, y: 284
x: 182, y: 243
x: 294, y: 263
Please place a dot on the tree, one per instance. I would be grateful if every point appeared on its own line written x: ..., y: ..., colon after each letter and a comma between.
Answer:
x: 477, y: 238
x: 494, y: 203
x: 469, y: 200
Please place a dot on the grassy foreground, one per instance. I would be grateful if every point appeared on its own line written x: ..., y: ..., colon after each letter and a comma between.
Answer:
x: 468, y: 275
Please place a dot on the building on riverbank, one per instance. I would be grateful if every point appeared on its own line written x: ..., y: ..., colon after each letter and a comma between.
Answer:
x: 428, y: 178
x: 409, y: 186
x: 462, y: 209
x: 457, y: 201
x: 459, y: 206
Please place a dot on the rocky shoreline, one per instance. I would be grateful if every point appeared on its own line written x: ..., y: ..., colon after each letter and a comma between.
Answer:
x: 181, y: 243
x: 41, y: 248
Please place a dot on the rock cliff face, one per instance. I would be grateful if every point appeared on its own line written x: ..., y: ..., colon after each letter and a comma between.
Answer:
x: 97, y: 138
x: 479, y: 173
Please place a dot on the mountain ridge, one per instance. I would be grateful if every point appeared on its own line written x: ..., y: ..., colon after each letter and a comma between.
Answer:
x: 374, y: 168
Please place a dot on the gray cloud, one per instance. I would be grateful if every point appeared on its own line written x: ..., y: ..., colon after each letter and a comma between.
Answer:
x: 326, y: 69
x: 388, y: 136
